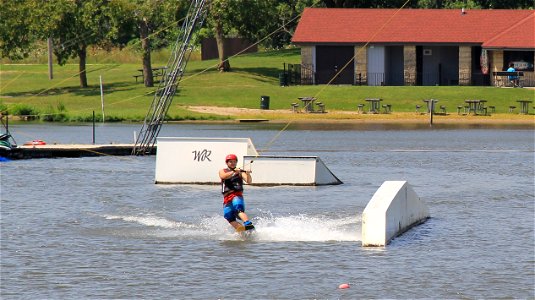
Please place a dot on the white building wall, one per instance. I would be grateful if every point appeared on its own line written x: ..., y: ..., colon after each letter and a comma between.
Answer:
x: 376, y: 65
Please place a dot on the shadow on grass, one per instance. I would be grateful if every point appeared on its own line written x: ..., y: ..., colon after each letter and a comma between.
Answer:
x: 268, y: 74
x: 277, y: 53
x: 90, y: 91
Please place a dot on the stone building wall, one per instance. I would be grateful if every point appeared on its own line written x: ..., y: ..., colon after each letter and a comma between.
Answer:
x: 306, y: 55
x: 361, y: 65
x: 307, y: 64
x: 465, y: 65
x: 496, y: 65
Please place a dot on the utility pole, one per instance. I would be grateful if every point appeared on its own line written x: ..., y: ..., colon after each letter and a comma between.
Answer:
x: 50, y: 74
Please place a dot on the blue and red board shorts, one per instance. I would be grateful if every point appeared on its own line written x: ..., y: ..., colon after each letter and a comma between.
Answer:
x: 233, y: 207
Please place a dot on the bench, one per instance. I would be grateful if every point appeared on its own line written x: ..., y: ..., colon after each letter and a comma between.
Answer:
x: 465, y: 108
x: 387, y: 108
x: 321, y: 107
x: 501, y: 78
x: 154, y: 76
x: 295, y: 107
x: 156, y: 72
x: 360, y: 108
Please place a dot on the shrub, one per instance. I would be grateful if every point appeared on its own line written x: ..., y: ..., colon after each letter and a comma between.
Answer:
x: 57, y: 114
x: 98, y: 118
x: 3, y: 108
x: 25, y: 111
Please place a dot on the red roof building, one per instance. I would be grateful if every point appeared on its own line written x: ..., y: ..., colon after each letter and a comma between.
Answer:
x: 415, y: 46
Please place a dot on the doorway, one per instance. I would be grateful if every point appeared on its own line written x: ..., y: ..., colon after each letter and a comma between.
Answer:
x: 330, y: 60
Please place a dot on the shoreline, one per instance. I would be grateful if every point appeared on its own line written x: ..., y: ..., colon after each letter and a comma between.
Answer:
x: 353, y: 118
x: 344, y: 119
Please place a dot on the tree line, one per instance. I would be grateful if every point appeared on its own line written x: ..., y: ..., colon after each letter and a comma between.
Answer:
x: 75, y: 25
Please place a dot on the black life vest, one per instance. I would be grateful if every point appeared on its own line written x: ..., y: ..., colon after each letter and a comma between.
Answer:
x: 233, y: 184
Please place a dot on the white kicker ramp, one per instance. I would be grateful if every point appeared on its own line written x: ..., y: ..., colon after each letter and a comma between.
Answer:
x: 198, y: 161
x: 289, y: 170
x: 393, y: 209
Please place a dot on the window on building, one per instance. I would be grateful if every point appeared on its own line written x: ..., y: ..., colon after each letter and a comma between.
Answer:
x: 523, y: 60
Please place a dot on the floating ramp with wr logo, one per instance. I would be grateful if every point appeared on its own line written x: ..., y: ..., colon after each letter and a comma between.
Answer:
x: 195, y: 160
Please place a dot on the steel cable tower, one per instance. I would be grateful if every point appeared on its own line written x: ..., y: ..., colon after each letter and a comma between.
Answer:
x: 169, y: 83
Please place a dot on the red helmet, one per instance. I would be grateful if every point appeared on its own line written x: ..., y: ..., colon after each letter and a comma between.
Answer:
x: 231, y: 157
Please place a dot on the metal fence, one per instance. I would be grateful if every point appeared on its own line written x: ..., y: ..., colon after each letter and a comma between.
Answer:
x: 297, y: 74
x: 528, y: 79
x: 433, y: 78
x: 294, y: 74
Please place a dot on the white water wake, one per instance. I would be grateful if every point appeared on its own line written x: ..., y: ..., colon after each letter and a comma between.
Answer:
x: 269, y: 228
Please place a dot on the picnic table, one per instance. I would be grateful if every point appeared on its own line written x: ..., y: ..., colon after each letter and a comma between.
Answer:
x: 156, y: 72
x: 430, y: 105
x: 524, y: 106
x: 476, y: 106
x: 307, y: 103
x: 375, y: 105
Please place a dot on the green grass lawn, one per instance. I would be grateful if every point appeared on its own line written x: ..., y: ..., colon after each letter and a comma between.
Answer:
x: 27, y: 87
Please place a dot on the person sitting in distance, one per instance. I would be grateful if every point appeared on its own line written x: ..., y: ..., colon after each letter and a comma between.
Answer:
x: 513, y: 79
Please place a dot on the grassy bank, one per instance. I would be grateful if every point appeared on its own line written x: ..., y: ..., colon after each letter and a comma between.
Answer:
x: 26, y: 87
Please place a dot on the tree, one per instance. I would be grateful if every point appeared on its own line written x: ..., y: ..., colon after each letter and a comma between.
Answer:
x: 16, y: 35
x: 74, y: 25
x: 250, y: 19
x: 288, y: 12
x: 154, y: 21
x: 339, y: 3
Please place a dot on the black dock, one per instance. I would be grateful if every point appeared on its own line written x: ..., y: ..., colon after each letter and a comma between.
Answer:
x: 68, y: 150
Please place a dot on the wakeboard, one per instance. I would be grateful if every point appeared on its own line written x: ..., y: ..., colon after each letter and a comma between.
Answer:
x: 246, y: 232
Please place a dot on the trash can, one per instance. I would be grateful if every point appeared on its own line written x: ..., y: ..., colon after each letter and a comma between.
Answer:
x: 283, y: 79
x: 264, y: 102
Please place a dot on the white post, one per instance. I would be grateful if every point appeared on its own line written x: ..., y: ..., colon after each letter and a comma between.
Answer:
x: 102, y: 98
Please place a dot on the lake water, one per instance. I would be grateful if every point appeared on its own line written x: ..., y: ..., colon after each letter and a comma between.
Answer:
x: 99, y: 228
